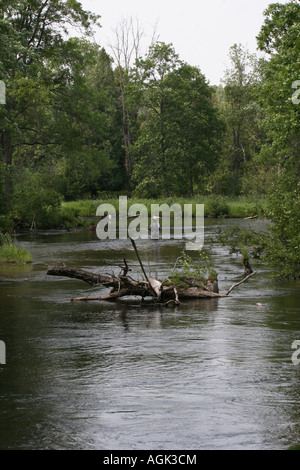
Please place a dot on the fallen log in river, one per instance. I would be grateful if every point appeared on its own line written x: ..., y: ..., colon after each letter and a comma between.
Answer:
x: 123, y: 285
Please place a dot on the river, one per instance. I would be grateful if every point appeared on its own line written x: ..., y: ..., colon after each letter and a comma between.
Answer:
x: 208, y: 374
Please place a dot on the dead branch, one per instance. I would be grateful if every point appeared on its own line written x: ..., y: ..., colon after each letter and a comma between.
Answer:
x: 241, y: 282
x: 176, y: 297
x: 111, y: 296
x: 141, y: 264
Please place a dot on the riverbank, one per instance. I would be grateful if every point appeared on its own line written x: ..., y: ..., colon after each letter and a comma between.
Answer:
x: 80, y: 213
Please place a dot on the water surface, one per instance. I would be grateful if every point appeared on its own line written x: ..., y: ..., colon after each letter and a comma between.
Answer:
x: 209, y: 374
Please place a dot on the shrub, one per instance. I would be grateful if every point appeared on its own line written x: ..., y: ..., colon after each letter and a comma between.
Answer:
x: 36, y: 203
x: 216, y: 206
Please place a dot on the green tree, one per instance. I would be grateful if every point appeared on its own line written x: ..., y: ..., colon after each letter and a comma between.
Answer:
x: 152, y: 145
x: 84, y: 122
x: 197, y: 131
x: 279, y: 37
x: 242, y: 114
x: 179, y: 127
x: 31, y: 32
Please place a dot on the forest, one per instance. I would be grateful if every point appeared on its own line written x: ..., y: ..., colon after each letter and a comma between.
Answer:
x: 79, y: 122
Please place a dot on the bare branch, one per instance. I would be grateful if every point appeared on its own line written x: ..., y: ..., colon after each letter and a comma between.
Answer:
x: 241, y: 282
x: 155, y: 35
x: 127, y: 45
x: 141, y: 264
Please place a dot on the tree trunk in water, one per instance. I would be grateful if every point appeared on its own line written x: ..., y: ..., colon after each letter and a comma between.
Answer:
x: 86, y: 276
x: 126, y: 286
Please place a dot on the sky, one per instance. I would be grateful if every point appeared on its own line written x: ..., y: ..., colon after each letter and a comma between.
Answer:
x: 201, y: 31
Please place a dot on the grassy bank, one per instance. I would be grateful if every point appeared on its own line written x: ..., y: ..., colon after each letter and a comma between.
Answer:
x: 81, y: 213
x: 75, y: 212
x: 10, y: 253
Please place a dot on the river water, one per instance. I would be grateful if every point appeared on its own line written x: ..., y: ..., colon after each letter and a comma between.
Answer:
x: 209, y: 374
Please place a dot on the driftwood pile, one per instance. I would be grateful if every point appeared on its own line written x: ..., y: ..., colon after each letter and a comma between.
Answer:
x: 124, y: 285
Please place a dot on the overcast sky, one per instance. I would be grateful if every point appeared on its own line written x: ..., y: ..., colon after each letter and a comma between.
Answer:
x: 201, y: 31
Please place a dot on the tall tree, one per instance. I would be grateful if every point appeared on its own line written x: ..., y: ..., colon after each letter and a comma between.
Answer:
x: 241, y: 113
x: 30, y: 32
x: 126, y: 49
x: 152, y: 145
x: 84, y: 121
x: 179, y: 126
x: 279, y: 37
x: 196, y: 131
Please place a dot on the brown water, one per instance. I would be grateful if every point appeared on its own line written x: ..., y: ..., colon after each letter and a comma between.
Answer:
x: 210, y: 374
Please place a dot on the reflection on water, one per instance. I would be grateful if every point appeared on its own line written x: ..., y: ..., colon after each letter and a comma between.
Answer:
x: 210, y: 374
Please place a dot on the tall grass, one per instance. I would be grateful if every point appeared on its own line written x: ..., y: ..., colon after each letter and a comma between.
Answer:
x: 10, y: 253
x: 214, y: 206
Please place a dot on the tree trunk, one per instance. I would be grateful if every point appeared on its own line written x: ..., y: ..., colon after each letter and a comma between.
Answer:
x: 7, y: 160
x: 191, y: 185
x: 86, y: 276
x: 163, y: 149
x: 127, y: 144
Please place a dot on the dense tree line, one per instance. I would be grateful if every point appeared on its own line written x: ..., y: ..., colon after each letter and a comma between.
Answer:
x: 78, y: 121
